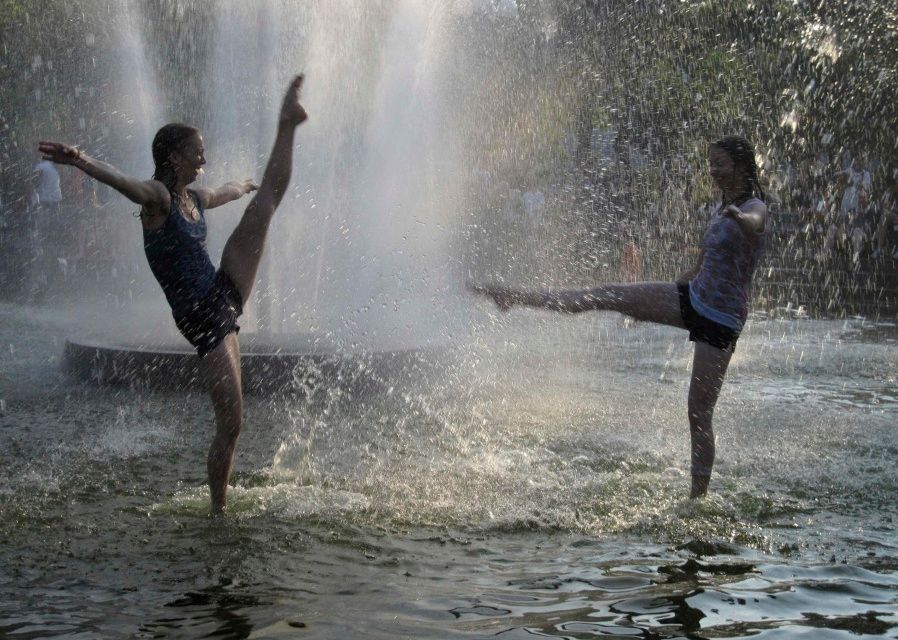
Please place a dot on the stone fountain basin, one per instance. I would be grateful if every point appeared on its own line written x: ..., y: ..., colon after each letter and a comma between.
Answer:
x: 299, y: 364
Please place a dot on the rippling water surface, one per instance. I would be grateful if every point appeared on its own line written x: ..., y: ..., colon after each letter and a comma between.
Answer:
x: 532, y: 484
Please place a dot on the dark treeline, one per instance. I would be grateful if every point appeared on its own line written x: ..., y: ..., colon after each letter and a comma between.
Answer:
x: 812, y: 83
x: 797, y: 78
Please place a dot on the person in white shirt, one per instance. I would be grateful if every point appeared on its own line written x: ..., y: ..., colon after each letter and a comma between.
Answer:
x: 49, y: 193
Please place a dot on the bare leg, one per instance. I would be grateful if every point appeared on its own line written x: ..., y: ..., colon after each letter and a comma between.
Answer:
x: 647, y: 301
x: 709, y: 367
x: 243, y: 250
x: 221, y: 368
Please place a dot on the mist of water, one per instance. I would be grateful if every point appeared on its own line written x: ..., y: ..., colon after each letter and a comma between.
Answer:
x: 365, y: 237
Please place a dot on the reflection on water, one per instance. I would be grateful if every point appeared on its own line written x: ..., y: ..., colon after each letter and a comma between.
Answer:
x: 846, y: 393
x: 213, y: 612
x: 534, y: 486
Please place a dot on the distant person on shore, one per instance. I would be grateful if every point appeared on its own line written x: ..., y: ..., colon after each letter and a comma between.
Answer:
x: 710, y: 301
x: 886, y: 235
x: 48, y: 194
x: 205, y: 302
x: 47, y: 186
x: 79, y: 212
x: 863, y: 224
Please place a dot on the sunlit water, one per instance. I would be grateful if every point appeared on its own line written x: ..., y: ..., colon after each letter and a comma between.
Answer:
x: 532, y: 485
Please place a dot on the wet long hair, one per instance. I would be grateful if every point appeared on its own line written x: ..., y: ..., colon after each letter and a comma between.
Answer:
x: 743, y: 155
x: 171, y: 137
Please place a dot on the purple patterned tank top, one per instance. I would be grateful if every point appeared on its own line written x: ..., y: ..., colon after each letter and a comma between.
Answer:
x: 720, y: 291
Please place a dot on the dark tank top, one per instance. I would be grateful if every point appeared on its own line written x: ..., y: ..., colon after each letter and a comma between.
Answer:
x: 178, y: 258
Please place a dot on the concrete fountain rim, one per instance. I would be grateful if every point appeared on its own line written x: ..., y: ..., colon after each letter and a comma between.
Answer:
x: 169, y: 367
x: 251, y: 345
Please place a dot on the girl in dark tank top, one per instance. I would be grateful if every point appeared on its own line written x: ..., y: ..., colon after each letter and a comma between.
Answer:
x: 205, y: 302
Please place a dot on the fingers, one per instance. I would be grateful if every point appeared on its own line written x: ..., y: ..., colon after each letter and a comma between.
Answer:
x: 56, y: 150
x: 48, y: 147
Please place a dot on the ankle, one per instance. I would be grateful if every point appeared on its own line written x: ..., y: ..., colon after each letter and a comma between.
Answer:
x: 699, y: 485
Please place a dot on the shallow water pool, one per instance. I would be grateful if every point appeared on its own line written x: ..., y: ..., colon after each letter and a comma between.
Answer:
x: 533, y: 485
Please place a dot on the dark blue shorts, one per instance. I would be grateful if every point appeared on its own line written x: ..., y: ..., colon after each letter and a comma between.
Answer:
x: 213, y: 317
x: 702, y: 329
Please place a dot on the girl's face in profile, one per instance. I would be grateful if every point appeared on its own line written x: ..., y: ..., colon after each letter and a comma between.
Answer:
x: 726, y: 175
x: 190, y: 159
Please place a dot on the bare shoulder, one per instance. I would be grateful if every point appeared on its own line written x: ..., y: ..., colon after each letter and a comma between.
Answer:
x: 755, y: 206
x: 205, y: 195
x: 161, y: 197
x: 754, y: 216
x: 153, y: 213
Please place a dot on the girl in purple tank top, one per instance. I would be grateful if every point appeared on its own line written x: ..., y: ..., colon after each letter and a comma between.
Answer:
x: 711, y: 301
x: 205, y: 302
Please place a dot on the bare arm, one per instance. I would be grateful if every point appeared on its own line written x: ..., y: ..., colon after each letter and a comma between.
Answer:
x: 147, y: 193
x: 751, y: 219
x: 228, y: 192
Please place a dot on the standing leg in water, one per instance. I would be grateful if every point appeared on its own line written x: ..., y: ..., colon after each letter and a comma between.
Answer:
x: 709, y: 366
x: 659, y: 302
x: 650, y: 302
x: 221, y: 368
x: 240, y: 261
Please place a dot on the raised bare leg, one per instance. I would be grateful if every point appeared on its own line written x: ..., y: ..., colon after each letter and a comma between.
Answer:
x: 243, y: 250
x: 221, y: 368
x: 709, y: 365
x: 648, y: 301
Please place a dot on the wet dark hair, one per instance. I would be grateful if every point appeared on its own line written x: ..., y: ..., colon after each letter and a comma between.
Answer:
x: 171, y: 137
x: 743, y: 154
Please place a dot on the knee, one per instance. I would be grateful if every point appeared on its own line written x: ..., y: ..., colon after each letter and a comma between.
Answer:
x: 233, y: 422
x: 229, y: 420
x: 700, y: 416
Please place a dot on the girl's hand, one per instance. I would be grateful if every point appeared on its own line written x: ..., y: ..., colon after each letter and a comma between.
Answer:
x: 733, y: 211
x: 59, y: 152
x: 751, y: 220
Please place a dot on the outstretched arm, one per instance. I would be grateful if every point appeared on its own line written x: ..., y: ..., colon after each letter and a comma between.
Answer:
x: 751, y: 219
x: 143, y: 192
x: 228, y: 192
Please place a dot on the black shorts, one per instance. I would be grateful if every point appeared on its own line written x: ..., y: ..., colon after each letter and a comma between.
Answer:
x: 702, y: 329
x: 213, y: 317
